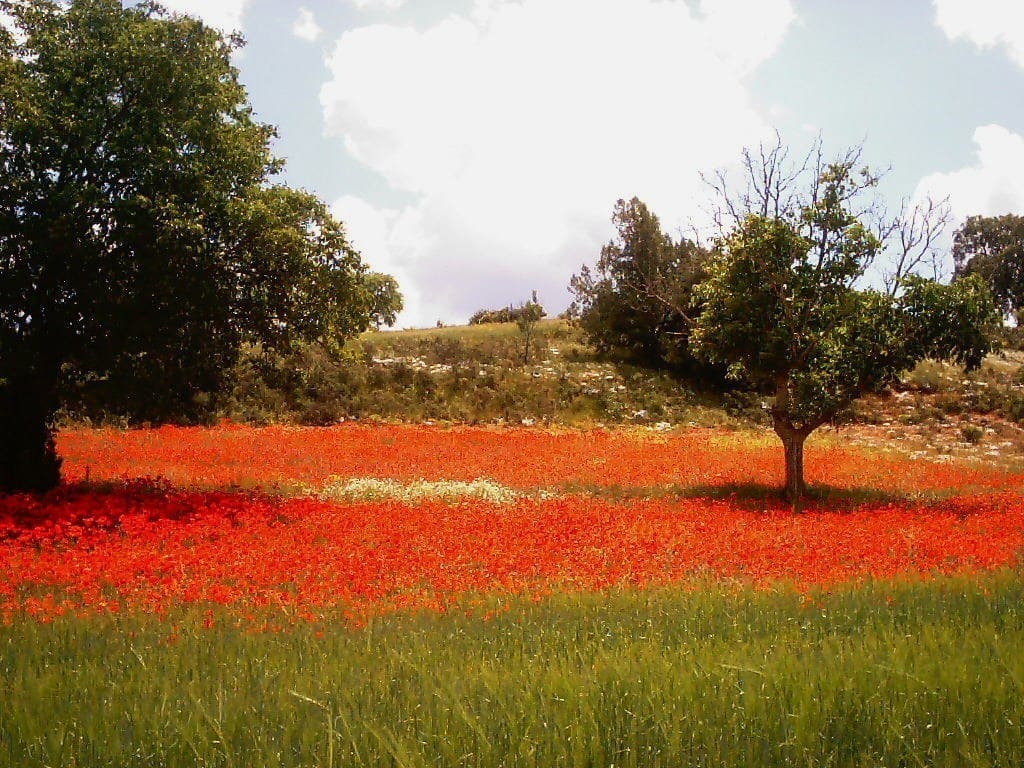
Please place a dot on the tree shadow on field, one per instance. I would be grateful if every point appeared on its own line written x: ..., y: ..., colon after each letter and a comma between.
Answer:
x: 756, y: 496
x: 817, y: 496
x: 69, y: 511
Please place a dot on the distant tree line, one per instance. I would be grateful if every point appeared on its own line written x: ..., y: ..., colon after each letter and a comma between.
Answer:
x: 530, y: 310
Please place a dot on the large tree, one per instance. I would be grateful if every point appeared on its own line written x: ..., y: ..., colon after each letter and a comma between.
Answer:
x: 784, y: 304
x: 993, y: 247
x: 141, y: 242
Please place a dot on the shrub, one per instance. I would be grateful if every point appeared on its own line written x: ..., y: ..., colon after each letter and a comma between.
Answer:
x: 971, y: 433
x: 509, y: 314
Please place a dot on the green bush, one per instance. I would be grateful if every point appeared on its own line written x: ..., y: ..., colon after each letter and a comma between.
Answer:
x: 509, y: 314
x: 971, y: 433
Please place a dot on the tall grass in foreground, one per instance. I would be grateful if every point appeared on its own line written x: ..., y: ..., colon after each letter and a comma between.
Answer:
x: 911, y: 674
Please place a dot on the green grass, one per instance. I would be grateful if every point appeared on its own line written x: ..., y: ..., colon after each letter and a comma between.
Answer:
x: 907, y: 674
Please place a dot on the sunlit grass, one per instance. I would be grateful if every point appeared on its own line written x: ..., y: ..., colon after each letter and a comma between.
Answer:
x: 883, y: 674
x: 470, y: 333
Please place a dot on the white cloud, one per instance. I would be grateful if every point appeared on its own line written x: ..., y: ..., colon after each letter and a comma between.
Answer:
x: 986, y: 23
x: 225, y: 15
x: 389, y: 5
x: 305, y: 26
x: 744, y: 34
x: 992, y: 186
x: 373, y: 232
x: 8, y: 23
x: 516, y: 128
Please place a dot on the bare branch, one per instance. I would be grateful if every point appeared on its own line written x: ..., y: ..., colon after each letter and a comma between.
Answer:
x: 913, y: 236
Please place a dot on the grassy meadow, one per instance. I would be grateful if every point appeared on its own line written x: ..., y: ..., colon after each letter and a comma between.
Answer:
x: 897, y: 674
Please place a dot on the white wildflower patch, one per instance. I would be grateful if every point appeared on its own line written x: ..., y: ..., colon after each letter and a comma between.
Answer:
x: 375, y: 489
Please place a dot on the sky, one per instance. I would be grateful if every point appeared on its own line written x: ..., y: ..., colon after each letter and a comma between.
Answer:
x: 475, y: 148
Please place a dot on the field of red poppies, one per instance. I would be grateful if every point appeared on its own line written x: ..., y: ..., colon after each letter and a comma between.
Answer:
x: 518, y: 457
x: 163, y: 522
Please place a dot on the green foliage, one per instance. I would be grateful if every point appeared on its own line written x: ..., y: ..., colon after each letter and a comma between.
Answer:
x: 781, y: 308
x: 527, y: 317
x: 468, y: 374
x: 385, y: 299
x: 507, y: 314
x: 140, y: 240
x: 956, y: 322
x: 636, y: 301
x: 996, y: 388
x: 972, y: 433
x: 992, y: 247
x: 793, y: 328
x: 894, y: 674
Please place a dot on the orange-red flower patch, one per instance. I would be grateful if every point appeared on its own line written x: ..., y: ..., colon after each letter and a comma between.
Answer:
x: 519, y: 458
x: 143, y: 550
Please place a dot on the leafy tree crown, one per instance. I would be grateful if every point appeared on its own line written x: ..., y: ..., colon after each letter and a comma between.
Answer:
x: 782, y: 308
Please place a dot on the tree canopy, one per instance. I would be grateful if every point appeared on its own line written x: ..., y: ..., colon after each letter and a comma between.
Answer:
x: 141, y: 239
x: 636, y: 301
x: 385, y: 299
x: 993, y: 247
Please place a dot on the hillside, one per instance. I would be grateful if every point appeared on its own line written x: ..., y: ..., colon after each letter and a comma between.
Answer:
x: 480, y: 375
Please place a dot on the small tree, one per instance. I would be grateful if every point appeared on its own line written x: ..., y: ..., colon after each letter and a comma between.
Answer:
x: 993, y: 247
x: 385, y: 299
x: 636, y: 301
x: 527, y: 316
x: 782, y: 308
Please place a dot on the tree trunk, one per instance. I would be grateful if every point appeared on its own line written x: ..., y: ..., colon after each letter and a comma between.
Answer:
x: 28, y: 456
x: 793, y: 439
x: 793, y: 442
